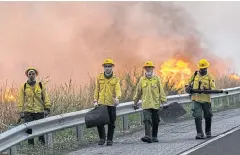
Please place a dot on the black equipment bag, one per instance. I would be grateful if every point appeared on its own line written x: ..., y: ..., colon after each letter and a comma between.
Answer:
x: 97, y: 117
x: 172, y: 112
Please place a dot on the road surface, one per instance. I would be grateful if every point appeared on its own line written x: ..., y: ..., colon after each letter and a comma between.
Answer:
x: 228, y: 144
x: 174, y: 139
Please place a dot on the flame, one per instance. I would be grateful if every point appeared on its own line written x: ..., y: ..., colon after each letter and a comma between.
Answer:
x: 234, y: 76
x: 178, y: 71
x: 8, y: 96
x: 175, y: 70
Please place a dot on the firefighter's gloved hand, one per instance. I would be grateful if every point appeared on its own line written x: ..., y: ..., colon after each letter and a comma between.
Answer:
x: 205, y: 88
x: 46, y: 111
x: 135, y: 106
x: 21, y: 114
x: 187, y: 89
x: 165, y: 105
x: 116, y: 102
x: 95, y: 103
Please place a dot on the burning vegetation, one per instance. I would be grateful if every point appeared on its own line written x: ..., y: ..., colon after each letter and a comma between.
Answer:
x: 234, y: 76
x: 175, y: 70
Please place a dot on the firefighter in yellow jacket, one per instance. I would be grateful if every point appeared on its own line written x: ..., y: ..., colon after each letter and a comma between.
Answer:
x: 202, y: 80
x: 33, y: 101
x: 107, y: 92
x: 150, y: 89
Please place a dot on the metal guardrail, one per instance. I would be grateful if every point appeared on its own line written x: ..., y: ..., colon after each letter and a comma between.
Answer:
x: 46, y: 126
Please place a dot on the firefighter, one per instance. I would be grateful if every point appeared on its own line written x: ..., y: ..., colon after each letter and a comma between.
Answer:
x: 33, y: 101
x: 150, y: 89
x: 107, y: 92
x: 202, y: 80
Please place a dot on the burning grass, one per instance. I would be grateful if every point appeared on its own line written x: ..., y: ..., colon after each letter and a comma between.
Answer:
x: 69, y: 97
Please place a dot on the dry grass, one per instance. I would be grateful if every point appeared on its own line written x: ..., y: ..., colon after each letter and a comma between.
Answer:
x: 68, y: 98
x: 226, y: 82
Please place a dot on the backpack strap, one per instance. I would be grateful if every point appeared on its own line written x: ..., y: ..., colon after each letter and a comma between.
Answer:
x: 40, y: 85
x: 24, y: 88
x: 24, y: 94
x: 194, y: 75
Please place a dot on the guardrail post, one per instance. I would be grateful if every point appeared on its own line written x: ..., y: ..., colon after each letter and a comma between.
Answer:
x: 141, y: 117
x: 221, y: 102
x: 237, y: 97
x: 49, y: 138
x: 218, y: 103
x: 125, y: 122
x: 213, y: 103
x: 228, y: 101
x: 80, y: 130
x: 233, y: 99
x: 12, y: 151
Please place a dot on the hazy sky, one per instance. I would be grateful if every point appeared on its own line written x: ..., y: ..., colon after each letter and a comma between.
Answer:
x: 219, y: 22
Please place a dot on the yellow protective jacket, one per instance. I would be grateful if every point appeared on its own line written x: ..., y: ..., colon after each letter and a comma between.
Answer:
x: 33, y: 99
x: 106, y: 90
x: 207, y: 82
x: 151, y: 91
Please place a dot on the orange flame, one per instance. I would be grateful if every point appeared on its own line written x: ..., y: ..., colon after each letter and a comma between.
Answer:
x: 8, y: 96
x: 177, y: 70
x: 234, y: 76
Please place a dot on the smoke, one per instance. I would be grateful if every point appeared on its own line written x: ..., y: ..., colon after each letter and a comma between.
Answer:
x: 71, y: 39
x: 218, y: 23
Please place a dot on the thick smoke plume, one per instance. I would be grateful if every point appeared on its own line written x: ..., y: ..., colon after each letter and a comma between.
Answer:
x: 71, y: 39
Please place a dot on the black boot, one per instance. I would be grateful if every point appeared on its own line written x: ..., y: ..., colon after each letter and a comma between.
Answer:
x: 155, y: 132
x: 148, y: 133
x: 110, y: 134
x: 208, y: 124
x: 198, y: 123
x: 102, y: 135
x: 109, y: 142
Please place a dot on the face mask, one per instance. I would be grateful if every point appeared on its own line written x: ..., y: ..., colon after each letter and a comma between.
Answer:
x: 108, y: 70
x: 149, y: 74
x: 203, y: 71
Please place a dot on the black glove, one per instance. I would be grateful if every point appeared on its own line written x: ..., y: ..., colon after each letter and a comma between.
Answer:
x: 135, y: 107
x: 187, y: 89
x: 46, y: 111
x: 165, y: 106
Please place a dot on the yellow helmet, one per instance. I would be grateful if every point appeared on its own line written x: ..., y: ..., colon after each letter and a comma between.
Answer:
x: 108, y: 61
x: 203, y: 63
x: 31, y: 68
x: 148, y: 64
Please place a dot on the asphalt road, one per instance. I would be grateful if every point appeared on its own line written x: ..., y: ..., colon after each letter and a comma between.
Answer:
x: 174, y: 139
x: 227, y: 145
